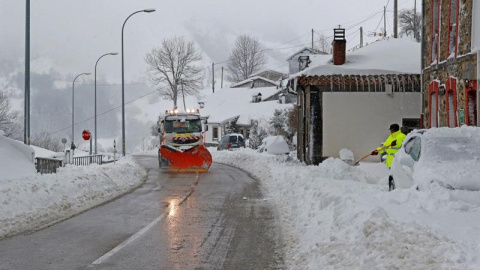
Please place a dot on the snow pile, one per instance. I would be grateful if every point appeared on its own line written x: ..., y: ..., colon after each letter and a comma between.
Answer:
x: 275, y: 145
x: 34, y: 202
x: 346, y: 155
x: 16, y: 159
x: 335, y: 218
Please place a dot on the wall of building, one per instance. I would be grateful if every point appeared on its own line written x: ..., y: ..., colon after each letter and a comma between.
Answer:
x: 360, y: 121
x: 462, y: 67
x: 209, y: 140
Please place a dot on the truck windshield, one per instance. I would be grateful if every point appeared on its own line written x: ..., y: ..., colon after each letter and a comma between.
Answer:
x: 183, y: 125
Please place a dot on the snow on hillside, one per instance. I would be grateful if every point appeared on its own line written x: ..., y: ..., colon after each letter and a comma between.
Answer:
x: 231, y: 102
x: 16, y: 159
x: 337, y: 216
x: 36, y: 201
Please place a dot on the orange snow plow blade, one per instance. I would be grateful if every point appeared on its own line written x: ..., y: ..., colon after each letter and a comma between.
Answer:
x: 195, y: 159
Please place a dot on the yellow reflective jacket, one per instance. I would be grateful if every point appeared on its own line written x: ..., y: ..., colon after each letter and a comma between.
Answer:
x: 391, y: 150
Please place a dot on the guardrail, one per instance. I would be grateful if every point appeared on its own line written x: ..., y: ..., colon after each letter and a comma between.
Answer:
x: 87, y: 160
x: 48, y: 165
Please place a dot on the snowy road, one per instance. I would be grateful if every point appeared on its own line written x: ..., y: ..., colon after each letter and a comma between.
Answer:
x: 219, y: 220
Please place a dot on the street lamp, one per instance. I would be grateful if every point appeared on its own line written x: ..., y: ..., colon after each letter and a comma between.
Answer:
x: 73, y: 108
x: 95, y: 129
x: 123, y: 78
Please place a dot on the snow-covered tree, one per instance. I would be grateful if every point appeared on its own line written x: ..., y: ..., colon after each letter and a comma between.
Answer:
x: 280, y: 123
x: 45, y: 140
x: 257, y: 134
x: 410, y: 23
x: 9, y: 118
x: 323, y: 44
x: 245, y: 59
x: 174, y: 68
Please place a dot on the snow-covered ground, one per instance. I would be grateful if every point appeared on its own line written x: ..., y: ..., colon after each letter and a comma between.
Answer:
x: 36, y: 201
x: 336, y: 216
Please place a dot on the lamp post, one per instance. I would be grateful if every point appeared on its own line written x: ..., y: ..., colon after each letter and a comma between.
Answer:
x: 123, y: 78
x: 95, y: 129
x: 73, y: 107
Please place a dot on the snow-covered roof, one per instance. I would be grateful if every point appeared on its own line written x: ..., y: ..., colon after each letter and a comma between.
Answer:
x: 313, y: 51
x: 263, y: 71
x: 229, y: 103
x: 253, y: 79
x: 389, y: 56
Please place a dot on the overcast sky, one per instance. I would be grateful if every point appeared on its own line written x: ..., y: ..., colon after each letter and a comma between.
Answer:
x: 70, y: 35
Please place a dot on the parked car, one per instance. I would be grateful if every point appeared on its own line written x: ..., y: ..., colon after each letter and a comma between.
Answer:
x: 445, y: 157
x: 231, y: 141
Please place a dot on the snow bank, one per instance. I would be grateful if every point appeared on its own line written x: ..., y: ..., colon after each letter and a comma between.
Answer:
x: 334, y: 218
x: 275, y: 145
x: 36, y: 201
x: 16, y: 159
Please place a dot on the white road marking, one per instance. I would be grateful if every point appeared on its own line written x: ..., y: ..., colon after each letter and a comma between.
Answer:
x: 129, y: 240
x: 134, y: 237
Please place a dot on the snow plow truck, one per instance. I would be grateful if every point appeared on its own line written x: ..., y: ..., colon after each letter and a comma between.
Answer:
x: 182, y: 142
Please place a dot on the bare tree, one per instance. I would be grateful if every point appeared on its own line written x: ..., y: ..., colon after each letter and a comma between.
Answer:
x: 9, y: 118
x: 45, y: 140
x: 410, y: 23
x: 173, y: 68
x: 245, y: 59
x: 323, y: 44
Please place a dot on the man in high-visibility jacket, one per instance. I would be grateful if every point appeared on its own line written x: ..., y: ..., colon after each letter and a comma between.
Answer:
x: 391, y: 146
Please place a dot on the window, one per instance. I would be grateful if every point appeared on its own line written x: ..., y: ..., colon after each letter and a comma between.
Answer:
x: 408, y: 146
x: 215, y: 134
x: 471, y: 104
x: 435, y: 33
x: 433, y: 104
x: 451, y: 103
x: 453, y: 29
x: 416, y: 149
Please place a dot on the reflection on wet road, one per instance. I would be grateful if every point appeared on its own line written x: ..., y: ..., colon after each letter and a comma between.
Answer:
x: 174, y: 221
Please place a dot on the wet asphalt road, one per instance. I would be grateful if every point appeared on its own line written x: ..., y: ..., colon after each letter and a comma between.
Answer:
x: 173, y: 221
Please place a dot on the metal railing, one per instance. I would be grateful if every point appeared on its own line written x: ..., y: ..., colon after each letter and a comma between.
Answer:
x: 48, y: 165
x: 87, y: 160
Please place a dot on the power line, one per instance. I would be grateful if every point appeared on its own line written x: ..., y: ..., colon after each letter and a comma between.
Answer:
x: 107, y: 111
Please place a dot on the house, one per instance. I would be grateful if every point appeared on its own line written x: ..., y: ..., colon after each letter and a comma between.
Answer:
x: 233, y: 110
x: 255, y: 82
x: 270, y: 74
x: 293, y: 60
x: 350, y: 101
x: 450, y: 62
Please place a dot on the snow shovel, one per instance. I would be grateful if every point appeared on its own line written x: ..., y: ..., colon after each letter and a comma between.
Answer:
x: 356, y: 163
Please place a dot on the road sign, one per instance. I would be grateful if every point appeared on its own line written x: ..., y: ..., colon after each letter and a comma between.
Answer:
x: 64, y: 141
x: 86, y: 135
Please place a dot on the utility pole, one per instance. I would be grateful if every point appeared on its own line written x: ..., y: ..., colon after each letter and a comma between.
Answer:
x: 222, y: 79
x: 26, y: 128
x: 312, y: 38
x: 395, y: 18
x: 384, y: 21
x: 415, y: 20
x: 361, y: 37
x: 213, y: 77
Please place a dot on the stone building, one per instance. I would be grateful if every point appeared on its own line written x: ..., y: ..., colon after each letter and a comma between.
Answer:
x: 450, y: 62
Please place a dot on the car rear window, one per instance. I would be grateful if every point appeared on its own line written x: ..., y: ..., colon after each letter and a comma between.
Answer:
x: 233, y: 139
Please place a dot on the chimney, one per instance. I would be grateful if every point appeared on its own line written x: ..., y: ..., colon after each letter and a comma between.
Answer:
x: 339, y: 46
